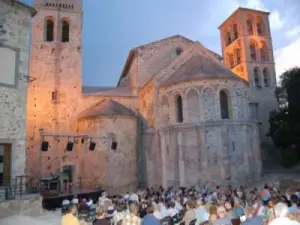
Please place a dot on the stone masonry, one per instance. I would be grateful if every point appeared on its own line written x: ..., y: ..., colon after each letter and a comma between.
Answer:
x: 180, y: 117
x: 14, y: 36
x: 252, y: 29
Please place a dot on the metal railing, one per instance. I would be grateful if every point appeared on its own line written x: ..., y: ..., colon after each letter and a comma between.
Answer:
x: 18, y: 187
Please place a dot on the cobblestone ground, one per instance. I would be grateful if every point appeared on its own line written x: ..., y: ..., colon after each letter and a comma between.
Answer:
x: 54, y: 217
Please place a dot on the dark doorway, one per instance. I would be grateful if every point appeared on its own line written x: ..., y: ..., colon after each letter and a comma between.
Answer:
x: 68, y: 169
x: 5, y: 164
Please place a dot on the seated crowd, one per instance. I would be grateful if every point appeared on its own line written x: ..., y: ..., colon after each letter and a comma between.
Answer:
x: 195, y: 207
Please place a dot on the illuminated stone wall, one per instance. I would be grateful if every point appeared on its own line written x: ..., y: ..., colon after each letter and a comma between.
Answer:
x: 14, y: 46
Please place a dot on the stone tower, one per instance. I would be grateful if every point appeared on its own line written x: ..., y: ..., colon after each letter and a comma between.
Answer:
x: 55, y: 71
x: 248, y: 52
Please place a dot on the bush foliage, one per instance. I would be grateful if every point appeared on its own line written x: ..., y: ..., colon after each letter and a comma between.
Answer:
x: 285, y: 123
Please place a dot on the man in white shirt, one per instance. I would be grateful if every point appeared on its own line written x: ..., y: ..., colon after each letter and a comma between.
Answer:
x: 281, y: 212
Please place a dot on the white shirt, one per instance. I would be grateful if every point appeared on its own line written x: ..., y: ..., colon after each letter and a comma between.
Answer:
x: 66, y: 202
x: 172, y: 212
x: 75, y: 201
x: 178, y: 207
x: 283, y: 221
x: 163, y: 210
x: 89, y: 203
x: 157, y: 215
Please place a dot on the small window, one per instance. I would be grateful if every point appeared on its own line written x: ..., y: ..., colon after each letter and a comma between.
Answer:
x: 178, y: 51
x: 230, y: 61
x: 228, y: 38
x: 263, y: 51
x: 65, y: 35
x: 224, y: 105
x: 49, y: 30
x: 54, y: 96
x: 257, y: 77
x: 260, y: 26
x: 254, y: 111
x: 235, y: 32
x: 252, y: 51
x: 250, y: 27
x: 266, y: 77
x: 237, y: 52
x: 179, y: 110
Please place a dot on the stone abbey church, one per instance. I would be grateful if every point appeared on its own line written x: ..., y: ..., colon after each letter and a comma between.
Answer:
x: 180, y: 113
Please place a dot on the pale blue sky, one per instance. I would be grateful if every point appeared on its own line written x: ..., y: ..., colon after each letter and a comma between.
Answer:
x: 112, y: 27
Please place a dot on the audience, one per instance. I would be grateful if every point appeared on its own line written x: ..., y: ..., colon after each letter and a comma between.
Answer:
x: 206, y: 205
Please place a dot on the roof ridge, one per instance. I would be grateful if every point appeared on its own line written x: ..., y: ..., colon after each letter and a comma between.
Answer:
x: 109, y: 107
x: 163, y: 39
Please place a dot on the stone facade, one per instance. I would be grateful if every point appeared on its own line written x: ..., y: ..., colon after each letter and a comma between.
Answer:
x: 14, y: 51
x: 248, y: 32
x: 179, y: 116
x: 205, y: 147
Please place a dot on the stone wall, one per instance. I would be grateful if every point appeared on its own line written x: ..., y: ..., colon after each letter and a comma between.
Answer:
x: 261, y: 94
x: 201, y: 101
x: 14, y: 35
x: 215, y: 152
x: 57, y: 67
x: 32, y: 206
x: 116, y: 169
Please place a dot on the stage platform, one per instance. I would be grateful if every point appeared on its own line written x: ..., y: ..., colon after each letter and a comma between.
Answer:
x: 53, y: 202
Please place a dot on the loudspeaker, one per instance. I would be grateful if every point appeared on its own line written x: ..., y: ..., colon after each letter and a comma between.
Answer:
x: 82, y: 140
x: 44, y: 146
x: 114, y: 145
x: 69, y: 146
x: 92, y: 146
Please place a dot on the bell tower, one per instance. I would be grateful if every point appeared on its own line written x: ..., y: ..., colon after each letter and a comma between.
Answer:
x: 248, y: 52
x: 56, y: 73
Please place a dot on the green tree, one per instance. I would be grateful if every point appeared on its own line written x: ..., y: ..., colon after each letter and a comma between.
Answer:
x: 285, y: 123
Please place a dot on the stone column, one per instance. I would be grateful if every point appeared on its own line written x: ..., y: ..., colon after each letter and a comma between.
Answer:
x: 185, y: 109
x: 180, y: 159
x: 202, y: 152
x: 225, y: 162
x: 257, y: 151
x: 246, y: 154
x: 163, y: 157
